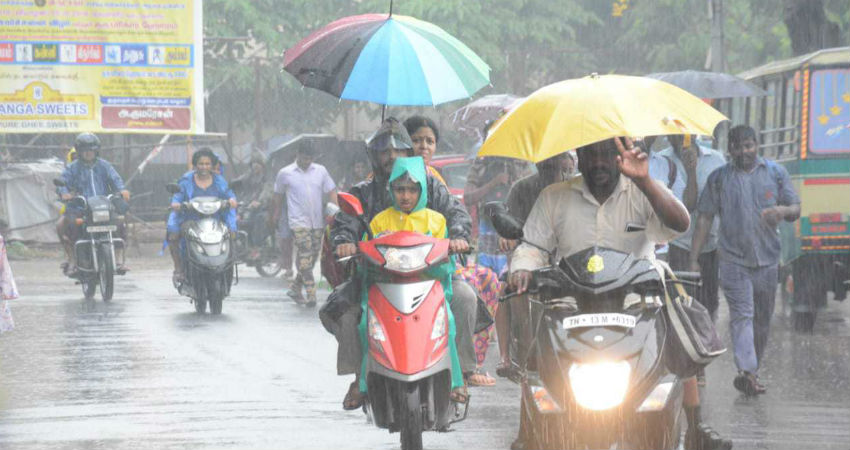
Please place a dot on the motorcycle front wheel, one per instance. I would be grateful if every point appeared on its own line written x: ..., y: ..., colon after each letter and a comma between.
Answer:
x: 106, y: 273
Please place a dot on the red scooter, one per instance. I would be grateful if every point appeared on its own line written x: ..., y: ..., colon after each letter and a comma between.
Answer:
x: 408, y: 366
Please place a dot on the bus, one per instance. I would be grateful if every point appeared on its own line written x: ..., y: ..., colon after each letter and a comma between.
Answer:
x: 804, y: 124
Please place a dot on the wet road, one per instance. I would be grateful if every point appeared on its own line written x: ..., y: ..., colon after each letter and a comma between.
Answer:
x: 146, y: 372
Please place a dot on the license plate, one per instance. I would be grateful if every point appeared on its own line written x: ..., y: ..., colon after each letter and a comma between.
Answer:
x: 600, y: 320
x: 101, y: 228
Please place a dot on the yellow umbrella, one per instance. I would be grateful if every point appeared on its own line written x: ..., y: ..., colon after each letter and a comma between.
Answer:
x: 573, y: 113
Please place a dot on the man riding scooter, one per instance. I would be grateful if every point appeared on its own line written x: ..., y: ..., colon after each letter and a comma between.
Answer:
x: 89, y: 176
x: 390, y: 141
x: 602, y: 208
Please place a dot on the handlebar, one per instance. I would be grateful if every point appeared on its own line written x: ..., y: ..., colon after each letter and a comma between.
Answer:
x: 358, y: 254
x: 686, y: 278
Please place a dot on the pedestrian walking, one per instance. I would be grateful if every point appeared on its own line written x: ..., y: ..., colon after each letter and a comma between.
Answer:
x: 304, y: 183
x: 490, y: 179
x: 751, y: 195
x: 8, y: 290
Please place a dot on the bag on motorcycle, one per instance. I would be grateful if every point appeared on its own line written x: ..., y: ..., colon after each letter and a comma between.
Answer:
x: 333, y: 271
x: 693, y: 339
x: 346, y: 295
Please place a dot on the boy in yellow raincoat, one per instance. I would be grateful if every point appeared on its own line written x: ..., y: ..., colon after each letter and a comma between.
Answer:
x: 408, y: 190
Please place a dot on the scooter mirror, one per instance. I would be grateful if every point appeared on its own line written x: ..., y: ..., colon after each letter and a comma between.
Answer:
x: 350, y: 204
x: 58, y: 182
x: 172, y: 188
x: 505, y: 224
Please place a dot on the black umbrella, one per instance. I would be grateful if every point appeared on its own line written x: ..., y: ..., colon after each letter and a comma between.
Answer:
x: 710, y: 84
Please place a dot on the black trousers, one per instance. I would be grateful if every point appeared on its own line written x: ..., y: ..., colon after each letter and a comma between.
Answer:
x: 707, y: 294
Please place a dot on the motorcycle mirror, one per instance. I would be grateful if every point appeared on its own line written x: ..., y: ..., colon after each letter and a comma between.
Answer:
x: 505, y: 224
x: 172, y: 188
x: 58, y: 182
x: 350, y: 204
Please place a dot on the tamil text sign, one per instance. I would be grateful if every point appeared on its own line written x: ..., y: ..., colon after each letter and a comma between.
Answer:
x: 107, y: 66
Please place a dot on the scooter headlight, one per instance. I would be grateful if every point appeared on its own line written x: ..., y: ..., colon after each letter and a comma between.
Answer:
x: 600, y: 385
x: 376, y: 331
x: 405, y: 259
x: 211, y: 236
x: 439, y: 329
x: 206, y: 207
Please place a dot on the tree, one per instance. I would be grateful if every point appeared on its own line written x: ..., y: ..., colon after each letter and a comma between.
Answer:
x: 809, y: 27
x: 527, y: 43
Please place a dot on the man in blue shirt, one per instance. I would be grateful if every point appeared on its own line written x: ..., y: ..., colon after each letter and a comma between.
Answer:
x: 751, y: 195
x: 692, y: 165
x: 89, y: 176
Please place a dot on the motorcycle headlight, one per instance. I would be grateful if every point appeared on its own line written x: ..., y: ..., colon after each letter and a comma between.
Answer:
x: 376, y: 331
x: 600, y: 385
x: 100, y: 216
x: 405, y: 259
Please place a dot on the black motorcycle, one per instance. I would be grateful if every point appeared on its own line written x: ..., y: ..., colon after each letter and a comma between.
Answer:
x: 595, y: 374
x: 207, y: 255
x: 265, y: 259
x: 94, y: 250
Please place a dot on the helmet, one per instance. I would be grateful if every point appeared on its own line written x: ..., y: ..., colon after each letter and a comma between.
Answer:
x: 86, y: 141
x: 391, y: 135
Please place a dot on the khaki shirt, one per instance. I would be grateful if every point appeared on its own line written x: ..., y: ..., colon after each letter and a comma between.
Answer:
x: 567, y: 217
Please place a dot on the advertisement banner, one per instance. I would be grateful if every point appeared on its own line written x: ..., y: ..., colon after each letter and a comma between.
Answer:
x: 119, y: 66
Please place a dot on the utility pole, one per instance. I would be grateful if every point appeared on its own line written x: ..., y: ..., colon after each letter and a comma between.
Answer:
x: 718, y: 52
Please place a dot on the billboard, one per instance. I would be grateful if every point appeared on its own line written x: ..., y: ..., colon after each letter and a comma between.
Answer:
x: 105, y: 66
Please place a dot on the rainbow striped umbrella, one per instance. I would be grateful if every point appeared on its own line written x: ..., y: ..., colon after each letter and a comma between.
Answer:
x: 389, y: 60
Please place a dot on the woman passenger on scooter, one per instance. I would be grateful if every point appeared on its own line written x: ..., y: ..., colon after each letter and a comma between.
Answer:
x: 408, y: 190
x: 200, y: 182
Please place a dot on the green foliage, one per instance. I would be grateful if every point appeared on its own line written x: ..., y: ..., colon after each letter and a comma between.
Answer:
x: 527, y: 43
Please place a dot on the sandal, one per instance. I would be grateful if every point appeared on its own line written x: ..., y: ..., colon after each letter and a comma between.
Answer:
x: 480, y: 378
x: 459, y: 395
x: 354, y: 399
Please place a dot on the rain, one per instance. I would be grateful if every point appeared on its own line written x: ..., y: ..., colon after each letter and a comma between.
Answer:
x: 193, y: 194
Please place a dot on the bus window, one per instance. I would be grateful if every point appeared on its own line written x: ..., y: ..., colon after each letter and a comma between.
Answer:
x: 754, y: 112
x: 768, y: 131
x: 829, y: 113
x: 790, y: 121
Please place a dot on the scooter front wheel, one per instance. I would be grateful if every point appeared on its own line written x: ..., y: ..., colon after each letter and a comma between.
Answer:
x: 411, y: 420
x: 215, y: 295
